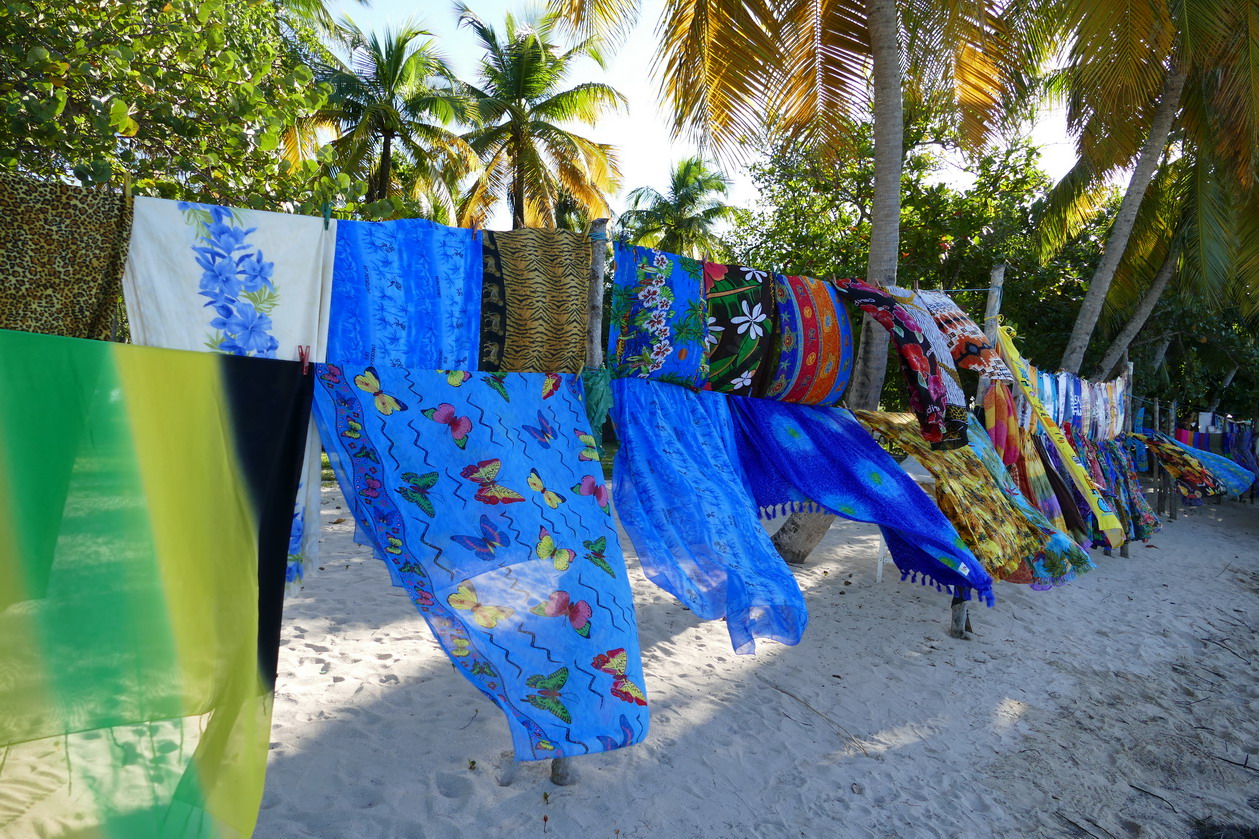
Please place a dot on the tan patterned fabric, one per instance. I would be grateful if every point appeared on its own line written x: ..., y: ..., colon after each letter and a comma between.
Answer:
x: 62, y: 250
x: 545, y: 277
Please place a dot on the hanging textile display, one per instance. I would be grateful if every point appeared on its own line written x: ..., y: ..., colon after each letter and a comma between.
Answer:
x: 1074, y: 509
x: 969, y: 498
x: 658, y: 324
x: 812, y: 349
x: 956, y: 412
x: 924, y: 383
x: 1121, y: 475
x: 484, y: 495
x: 1001, y: 422
x: 1235, y: 479
x: 145, y: 503
x: 1193, y: 479
x: 534, y: 301
x: 708, y: 550
x: 61, y: 257
x: 241, y: 282
x: 971, y: 348
x: 409, y: 290
x: 1035, y: 483
x: 740, y: 326
x: 797, y: 454
x: 1060, y: 558
x: 1107, y: 521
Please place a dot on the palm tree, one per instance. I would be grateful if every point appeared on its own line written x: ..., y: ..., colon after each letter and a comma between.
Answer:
x: 528, y: 156
x: 395, y: 95
x: 684, y: 220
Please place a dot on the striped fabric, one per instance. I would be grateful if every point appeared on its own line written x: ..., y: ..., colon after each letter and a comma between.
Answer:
x: 145, y: 501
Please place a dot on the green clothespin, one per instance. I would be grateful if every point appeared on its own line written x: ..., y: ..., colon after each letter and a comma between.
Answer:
x: 327, y: 214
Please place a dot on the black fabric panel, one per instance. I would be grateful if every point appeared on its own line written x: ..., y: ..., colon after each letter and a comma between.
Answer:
x: 270, y: 410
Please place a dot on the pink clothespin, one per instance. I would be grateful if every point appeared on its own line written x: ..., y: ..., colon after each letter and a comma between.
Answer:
x: 303, y: 355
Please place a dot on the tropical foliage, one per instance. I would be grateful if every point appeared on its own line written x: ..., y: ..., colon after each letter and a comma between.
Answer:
x: 522, y: 104
x: 686, y: 219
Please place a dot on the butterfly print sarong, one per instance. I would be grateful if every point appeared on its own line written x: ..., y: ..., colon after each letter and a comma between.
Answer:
x: 484, y: 495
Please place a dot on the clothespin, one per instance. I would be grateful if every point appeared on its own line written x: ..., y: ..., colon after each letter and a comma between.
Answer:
x: 916, y: 289
x: 327, y: 214
x: 126, y: 189
x: 303, y: 355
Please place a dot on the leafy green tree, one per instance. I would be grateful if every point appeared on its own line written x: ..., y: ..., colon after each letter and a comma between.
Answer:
x: 684, y: 220
x: 530, y: 158
x: 190, y: 99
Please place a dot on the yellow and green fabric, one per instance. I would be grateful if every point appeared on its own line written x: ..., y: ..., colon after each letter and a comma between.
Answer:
x: 145, y: 503
x: 1107, y: 522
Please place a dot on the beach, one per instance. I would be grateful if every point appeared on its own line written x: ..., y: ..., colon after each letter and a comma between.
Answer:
x: 1124, y: 704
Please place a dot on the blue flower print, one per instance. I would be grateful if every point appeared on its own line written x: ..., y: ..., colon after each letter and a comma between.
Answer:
x: 236, y: 280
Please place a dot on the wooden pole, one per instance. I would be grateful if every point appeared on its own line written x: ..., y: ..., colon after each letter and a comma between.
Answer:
x: 1172, y: 500
x: 1127, y: 418
x: 563, y: 771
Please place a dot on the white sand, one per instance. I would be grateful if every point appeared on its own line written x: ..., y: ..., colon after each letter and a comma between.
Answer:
x: 877, y: 725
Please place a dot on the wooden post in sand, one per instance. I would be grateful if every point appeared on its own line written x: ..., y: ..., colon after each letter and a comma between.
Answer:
x: 563, y: 772
x: 1156, y: 468
x: 1127, y: 417
x: 959, y: 624
x: 1172, y: 502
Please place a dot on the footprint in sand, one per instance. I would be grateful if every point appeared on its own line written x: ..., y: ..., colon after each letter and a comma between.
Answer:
x: 453, y: 786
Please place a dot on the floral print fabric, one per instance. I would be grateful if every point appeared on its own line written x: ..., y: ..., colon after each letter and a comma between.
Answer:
x: 659, y: 318
x: 484, y: 495
x: 812, y: 350
x: 740, y: 326
x: 928, y: 397
x: 240, y: 282
x: 406, y: 293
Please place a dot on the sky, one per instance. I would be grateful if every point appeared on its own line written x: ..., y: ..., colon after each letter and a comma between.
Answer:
x: 645, y: 146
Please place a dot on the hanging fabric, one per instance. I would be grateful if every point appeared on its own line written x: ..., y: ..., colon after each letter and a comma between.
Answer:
x: 1107, y: 522
x: 1059, y: 558
x: 798, y: 454
x: 706, y: 546
x: 406, y: 290
x: 658, y: 324
x: 484, y: 494
x: 969, y: 498
x: 1234, y: 478
x: 240, y: 282
x: 534, y: 301
x: 924, y: 383
x: 1121, y: 475
x: 1002, y: 422
x: 61, y: 257
x: 812, y: 350
x: 971, y: 348
x: 145, y: 503
x: 956, y: 412
x: 740, y: 326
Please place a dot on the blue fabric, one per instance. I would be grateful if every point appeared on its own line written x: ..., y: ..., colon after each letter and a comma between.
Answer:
x: 406, y: 293
x: 493, y: 514
x: 1061, y: 557
x: 1236, y: 479
x: 793, y: 453
x: 682, y: 499
x: 658, y: 321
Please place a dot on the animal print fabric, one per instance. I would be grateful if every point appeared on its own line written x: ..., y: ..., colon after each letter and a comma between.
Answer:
x: 62, y: 250
x: 542, y: 278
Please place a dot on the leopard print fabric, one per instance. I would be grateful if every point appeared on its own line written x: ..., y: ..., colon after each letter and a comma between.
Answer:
x: 62, y: 251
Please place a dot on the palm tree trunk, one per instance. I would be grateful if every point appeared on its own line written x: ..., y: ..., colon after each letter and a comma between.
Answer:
x: 1161, y: 353
x: 800, y: 533
x: 380, y: 188
x: 1121, y: 230
x: 1139, y: 317
x: 1219, y: 394
x: 517, y: 186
